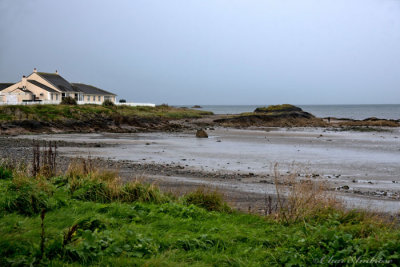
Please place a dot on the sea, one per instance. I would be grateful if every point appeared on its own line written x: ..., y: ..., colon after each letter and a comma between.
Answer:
x: 358, y: 112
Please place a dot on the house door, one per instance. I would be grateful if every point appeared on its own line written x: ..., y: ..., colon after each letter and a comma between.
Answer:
x: 12, y: 99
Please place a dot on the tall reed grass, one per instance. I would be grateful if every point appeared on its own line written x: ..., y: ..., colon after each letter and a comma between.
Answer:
x: 300, y: 198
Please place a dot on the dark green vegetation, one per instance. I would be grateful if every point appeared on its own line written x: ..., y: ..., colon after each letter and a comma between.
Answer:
x: 108, y: 103
x: 87, y: 217
x: 92, y: 118
x: 69, y: 101
x: 83, y: 112
x: 278, y: 108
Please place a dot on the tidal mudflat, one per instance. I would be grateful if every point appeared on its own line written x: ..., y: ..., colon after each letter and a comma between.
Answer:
x: 362, y: 167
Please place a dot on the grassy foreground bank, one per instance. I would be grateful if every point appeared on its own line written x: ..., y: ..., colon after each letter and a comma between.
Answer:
x: 88, y: 217
x: 50, y: 113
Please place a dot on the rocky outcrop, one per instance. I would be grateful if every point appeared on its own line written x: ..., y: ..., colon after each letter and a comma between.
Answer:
x: 273, y: 116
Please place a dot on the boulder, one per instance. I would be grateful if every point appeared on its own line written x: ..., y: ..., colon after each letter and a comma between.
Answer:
x: 201, y: 134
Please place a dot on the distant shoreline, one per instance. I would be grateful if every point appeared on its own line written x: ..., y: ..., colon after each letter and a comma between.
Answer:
x: 350, y: 111
x: 16, y: 120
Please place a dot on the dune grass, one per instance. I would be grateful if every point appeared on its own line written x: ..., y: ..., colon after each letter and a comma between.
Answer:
x: 84, y: 112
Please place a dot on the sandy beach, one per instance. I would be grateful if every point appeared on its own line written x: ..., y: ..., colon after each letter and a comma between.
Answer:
x: 361, y: 167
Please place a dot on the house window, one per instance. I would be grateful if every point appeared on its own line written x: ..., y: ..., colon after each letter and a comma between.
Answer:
x: 88, y: 98
x: 52, y: 96
x: 94, y: 98
x: 99, y: 98
x: 63, y: 96
x: 56, y: 96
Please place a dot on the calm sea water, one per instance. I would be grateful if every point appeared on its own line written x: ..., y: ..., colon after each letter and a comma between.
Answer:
x: 339, y: 111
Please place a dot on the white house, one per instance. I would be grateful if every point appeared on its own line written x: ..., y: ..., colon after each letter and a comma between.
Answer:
x: 50, y: 88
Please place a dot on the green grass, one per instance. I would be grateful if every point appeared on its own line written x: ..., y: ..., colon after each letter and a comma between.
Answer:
x: 278, y: 108
x: 85, y: 112
x: 92, y: 219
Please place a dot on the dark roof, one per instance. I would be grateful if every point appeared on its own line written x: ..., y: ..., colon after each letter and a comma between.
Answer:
x: 57, y: 81
x: 4, y: 86
x: 42, y: 86
x: 89, y: 89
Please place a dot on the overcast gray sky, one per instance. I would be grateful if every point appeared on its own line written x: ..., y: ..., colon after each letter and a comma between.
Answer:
x: 211, y: 51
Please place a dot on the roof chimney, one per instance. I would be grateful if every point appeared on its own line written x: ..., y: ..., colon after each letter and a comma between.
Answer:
x: 23, y: 81
x: 34, y: 70
x: 56, y: 71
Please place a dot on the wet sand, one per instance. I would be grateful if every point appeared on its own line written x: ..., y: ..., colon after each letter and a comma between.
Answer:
x: 363, y: 168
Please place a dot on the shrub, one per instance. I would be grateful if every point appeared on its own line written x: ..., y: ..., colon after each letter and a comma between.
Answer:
x: 108, y: 103
x: 136, y: 191
x: 5, y: 173
x: 27, y: 196
x: 210, y: 200
x: 69, y: 101
x: 87, y: 183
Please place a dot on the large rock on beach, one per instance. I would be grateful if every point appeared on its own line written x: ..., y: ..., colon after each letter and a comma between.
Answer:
x: 201, y: 134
